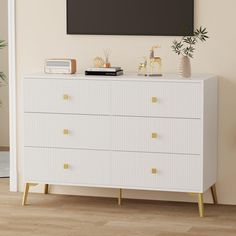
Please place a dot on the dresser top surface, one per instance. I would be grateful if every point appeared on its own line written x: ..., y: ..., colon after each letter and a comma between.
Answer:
x: 127, y: 77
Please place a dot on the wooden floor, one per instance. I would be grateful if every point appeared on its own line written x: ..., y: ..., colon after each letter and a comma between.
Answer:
x: 86, y: 216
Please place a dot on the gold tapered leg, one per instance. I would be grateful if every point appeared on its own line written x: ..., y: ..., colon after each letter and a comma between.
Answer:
x: 214, y: 194
x: 120, y: 197
x: 46, y: 188
x: 26, y: 192
x: 25, y: 195
x: 201, y: 205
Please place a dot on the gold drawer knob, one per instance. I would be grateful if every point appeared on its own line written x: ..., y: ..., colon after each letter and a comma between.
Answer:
x: 66, y: 131
x: 66, y: 97
x: 154, y: 99
x: 154, y: 135
x: 154, y: 171
x: 66, y: 166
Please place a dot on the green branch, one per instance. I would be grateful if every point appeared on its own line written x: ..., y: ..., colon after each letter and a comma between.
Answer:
x: 186, y: 46
x: 3, y: 44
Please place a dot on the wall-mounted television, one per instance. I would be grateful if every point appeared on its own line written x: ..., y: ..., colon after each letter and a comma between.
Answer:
x: 130, y: 17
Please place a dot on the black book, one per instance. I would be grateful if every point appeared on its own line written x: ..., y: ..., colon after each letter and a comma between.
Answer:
x: 104, y: 73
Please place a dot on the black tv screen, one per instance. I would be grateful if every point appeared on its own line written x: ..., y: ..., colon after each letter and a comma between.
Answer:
x: 130, y: 17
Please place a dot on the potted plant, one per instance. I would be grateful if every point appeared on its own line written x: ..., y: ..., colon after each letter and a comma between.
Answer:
x: 186, y: 48
x: 3, y: 79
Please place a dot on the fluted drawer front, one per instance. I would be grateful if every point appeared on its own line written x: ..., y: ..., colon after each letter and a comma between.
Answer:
x: 161, y: 99
x: 66, y: 96
x: 156, y: 171
x: 67, y: 131
x: 156, y: 135
x: 66, y: 166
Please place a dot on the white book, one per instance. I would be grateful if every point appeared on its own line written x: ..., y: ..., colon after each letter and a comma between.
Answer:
x: 104, y: 69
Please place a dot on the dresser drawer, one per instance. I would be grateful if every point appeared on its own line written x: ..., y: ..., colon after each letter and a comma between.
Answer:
x: 66, y: 96
x: 158, y: 99
x: 157, y: 171
x: 66, y: 166
x: 67, y: 131
x: 165, y: 135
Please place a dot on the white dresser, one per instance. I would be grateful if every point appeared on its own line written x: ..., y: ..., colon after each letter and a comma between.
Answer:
x: 125, y: 132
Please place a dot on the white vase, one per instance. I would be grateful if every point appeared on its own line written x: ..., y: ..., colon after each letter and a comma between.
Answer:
x: 185, y: 67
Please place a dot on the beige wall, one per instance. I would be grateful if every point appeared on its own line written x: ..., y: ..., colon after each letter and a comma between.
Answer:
x: 4, y: 109
x: 41, y: 27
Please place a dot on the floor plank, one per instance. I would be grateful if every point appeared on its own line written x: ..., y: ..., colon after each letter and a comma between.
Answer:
x: 58, y: 215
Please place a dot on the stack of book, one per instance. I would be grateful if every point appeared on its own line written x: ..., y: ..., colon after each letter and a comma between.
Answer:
x: 112, y: 71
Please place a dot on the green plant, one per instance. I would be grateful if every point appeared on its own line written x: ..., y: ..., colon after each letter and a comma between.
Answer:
x: 186, y: 46
x: 3, y: 78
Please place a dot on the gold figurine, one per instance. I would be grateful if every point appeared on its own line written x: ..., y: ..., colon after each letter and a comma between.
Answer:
x: 142, y: 69
x: 151, y: 66
x: 155, y: 62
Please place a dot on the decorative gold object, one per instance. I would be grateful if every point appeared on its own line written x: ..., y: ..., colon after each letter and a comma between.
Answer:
x: 65, y: 131
x: 151, y: 66
x: 142, y: 69
x: 154, y: 171
x: 66, y: 166
x: 154, y: 135
x: 98, y: 62
x: 66, y: 97
x: 154, y: 100
x: 155, y: 62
